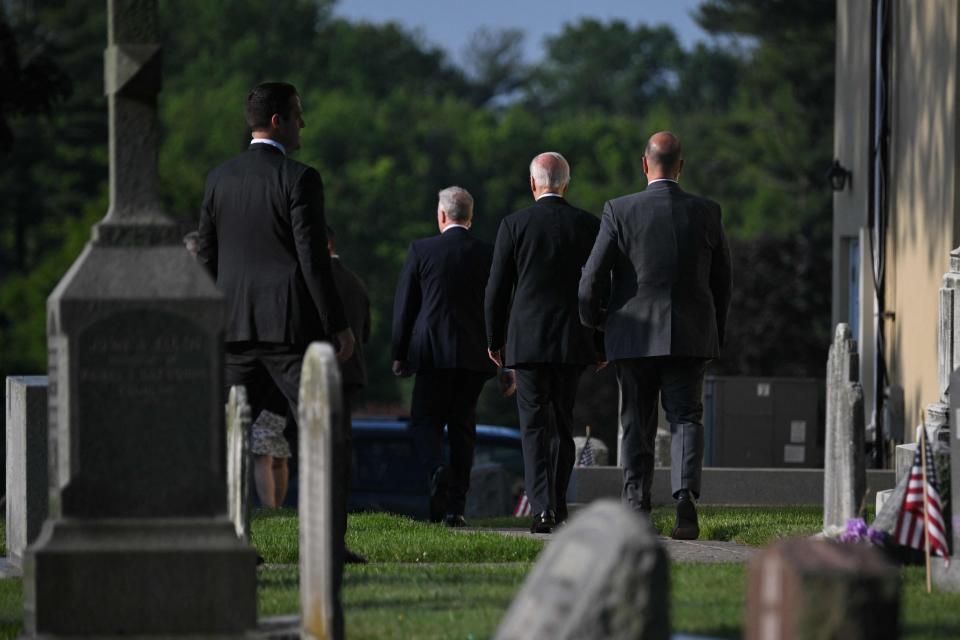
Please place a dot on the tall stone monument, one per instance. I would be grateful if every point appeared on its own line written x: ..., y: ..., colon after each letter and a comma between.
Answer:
x: 844, y: 468
x: 138, y: 541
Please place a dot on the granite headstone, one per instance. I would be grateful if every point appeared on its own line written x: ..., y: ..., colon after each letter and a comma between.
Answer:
x: 604, y: 575
x: 26, y: 465
x: 320, y: 410
x: 138, y: 541
x: 808, y: 589
x: 238, y: 460
x: 844, y: 473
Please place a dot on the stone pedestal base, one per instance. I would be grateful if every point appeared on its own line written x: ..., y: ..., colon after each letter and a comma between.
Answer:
x: 112, y: 578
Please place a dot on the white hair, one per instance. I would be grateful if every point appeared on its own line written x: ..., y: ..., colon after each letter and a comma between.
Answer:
x: 555, y: 175
x: 458, y: 203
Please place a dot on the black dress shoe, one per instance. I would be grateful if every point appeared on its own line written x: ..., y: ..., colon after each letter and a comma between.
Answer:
x: 687, y: 527
x: 439, y: 482
x: 454, y: 520
x: 543, y: 522
x: 352, y: 557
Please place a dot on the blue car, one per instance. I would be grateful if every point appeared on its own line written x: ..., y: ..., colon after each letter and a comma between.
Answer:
x: 386, y: 473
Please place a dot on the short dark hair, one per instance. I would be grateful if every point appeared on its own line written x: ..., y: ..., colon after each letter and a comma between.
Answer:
x: 266, y: 99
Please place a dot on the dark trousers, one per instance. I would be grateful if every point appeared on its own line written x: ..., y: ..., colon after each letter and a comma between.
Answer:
x: 546, y: 394
x: 678, y: 382
x: 263, y: 367
x: 447, y: 397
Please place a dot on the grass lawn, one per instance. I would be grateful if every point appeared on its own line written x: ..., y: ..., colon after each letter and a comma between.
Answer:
x: 425, y: 581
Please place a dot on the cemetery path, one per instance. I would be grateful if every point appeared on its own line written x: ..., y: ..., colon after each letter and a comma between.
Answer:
x: 694, y: 551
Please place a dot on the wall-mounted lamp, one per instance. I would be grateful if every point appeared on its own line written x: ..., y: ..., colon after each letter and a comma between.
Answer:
x: 838, y: 176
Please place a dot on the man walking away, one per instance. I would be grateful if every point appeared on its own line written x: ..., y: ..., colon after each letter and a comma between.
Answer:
x: 537, y: 260
x: 353, y: 372
x: 438, y: 334
x: 664, y: 319
x: 262, y: 237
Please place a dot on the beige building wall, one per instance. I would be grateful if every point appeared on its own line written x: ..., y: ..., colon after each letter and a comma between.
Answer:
x: 922, y: 195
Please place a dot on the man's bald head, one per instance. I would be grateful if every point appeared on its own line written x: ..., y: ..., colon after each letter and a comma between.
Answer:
x: 663, y: 156
x: 550, y: 172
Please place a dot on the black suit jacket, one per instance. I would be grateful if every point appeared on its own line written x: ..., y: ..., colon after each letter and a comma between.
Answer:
x: 356, y: 303
x: 263, y: 239
x: 537, y: 260
x: 670, y: 264
x: 438, y: 309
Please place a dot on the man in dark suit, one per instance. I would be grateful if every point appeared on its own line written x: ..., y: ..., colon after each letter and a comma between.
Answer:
x: 537, y: 260
x: 438, y: 334
x: 664, y: 319
x: 353, y: 372
x: 262, y: 237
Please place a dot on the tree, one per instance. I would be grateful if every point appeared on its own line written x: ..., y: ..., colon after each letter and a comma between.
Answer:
x: 611, y: 67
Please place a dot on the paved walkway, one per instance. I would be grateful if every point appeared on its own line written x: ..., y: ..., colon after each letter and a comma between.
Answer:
x: 699, y: 551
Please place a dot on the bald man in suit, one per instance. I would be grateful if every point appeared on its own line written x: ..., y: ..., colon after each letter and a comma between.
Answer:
x: 664, y: 319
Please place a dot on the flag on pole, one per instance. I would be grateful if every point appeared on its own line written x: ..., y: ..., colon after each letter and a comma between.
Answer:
x: 911, y: 522
x: 523, y: 507
x: 587, y: 457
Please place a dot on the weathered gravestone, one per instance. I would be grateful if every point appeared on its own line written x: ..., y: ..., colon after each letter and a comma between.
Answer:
x: 604, y: 575
x: 138, y: 541
x: 947, y: 577
x: 320, y: 411
x: 238, y: 460
x: 493, y: 491
x: 807, y: 589
x: 844, y: 473
x: 26, y: 466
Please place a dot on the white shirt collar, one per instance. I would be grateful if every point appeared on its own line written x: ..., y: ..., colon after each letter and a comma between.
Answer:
x: 452, y: 225
x: 272, y: 143
x: 547, y: 195
x: 662, y: 180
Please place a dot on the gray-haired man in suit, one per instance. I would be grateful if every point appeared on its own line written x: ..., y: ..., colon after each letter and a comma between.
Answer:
x: 664, y: 319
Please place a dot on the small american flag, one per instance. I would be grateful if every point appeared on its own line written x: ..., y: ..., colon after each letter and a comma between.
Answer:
x: 910, y: 523
x: 587, y: 458
x: 523, y: 507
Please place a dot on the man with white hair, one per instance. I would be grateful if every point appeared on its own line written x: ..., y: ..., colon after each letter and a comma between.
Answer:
x: 438, y: 334
x: 536, y: 264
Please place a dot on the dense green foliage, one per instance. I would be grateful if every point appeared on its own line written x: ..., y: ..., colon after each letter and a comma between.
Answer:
x: 390, y: 121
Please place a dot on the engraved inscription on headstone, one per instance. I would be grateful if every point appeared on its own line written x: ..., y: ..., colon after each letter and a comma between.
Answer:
x: 143, y: 378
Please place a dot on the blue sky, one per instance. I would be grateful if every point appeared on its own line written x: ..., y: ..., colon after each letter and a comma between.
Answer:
x: 449, y: 23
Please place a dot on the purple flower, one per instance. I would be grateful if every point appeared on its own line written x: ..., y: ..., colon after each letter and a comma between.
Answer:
x: 856, y: 531
x: 876, y: 536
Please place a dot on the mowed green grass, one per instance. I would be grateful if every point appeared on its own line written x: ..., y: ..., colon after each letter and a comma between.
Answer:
x: 385, y: 538
x: 754, y: 526
x: 429, y: 582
